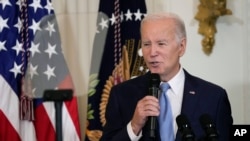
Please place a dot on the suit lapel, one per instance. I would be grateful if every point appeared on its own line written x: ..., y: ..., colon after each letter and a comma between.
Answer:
x: 190, y: 99
x: 190, y: 96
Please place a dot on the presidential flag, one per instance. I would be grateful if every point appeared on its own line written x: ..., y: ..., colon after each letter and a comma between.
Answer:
x: 116, y: 56
x: 32, y: 61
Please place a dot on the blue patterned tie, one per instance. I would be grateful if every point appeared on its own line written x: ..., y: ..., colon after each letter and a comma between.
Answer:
x: 165, y: 117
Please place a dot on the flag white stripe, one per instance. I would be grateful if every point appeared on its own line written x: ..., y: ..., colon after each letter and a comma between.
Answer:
x: 27, y: 131
x: 68, y: 128
x: 9, y: 103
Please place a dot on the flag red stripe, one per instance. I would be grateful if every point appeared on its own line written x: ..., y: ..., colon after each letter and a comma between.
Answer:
x: 7, y: 132
x: 71, y: 105
x: 43, y: 125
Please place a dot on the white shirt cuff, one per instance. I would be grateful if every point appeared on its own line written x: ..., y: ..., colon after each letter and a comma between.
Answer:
x: 131, y: 134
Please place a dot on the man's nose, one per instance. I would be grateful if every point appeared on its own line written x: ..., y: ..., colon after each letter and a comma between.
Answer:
x: 153, y: 50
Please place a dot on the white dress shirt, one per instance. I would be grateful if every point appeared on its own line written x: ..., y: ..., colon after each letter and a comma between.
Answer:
x: 175, y: 94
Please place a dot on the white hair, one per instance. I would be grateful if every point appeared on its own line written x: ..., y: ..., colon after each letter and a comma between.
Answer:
x: 179, y: 24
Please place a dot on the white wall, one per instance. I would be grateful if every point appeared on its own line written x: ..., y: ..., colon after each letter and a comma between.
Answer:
x: 227, y: 66
x: 228, y: 63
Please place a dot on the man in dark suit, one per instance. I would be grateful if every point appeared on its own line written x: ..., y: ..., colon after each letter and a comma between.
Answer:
x: 163, y: 39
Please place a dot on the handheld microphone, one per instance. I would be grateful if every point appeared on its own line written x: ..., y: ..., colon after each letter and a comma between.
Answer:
x: 209, y: 128
x: 185, y: 128
x: 153, y: 91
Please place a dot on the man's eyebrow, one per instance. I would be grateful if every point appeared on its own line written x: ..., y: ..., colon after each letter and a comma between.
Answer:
x: 146, y: 41
x: 162, y: 40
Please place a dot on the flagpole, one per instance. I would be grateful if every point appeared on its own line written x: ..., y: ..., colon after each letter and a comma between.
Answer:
x: 58, y: 96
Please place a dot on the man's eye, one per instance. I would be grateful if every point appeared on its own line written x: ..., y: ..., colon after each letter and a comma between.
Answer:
x: 146, y: 45
x: 162, y: 44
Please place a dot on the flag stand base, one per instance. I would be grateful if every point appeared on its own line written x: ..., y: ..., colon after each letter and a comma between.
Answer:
x: 58, y: 96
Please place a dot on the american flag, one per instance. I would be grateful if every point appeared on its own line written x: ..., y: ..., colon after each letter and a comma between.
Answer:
x: 30, y: 48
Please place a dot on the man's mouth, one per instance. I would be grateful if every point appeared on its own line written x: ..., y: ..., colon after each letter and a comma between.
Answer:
x: 154, y: 63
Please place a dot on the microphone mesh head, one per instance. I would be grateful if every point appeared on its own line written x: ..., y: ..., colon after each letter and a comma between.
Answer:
x: 181, y: 121
x: 154, y: 80
x: 205, y: 121
x: 208, y: 126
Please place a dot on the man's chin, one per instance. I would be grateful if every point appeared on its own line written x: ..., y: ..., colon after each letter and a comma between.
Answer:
x: 155, y: 71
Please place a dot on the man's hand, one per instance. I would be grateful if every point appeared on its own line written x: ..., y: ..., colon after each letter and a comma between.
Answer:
x: 147, y: 106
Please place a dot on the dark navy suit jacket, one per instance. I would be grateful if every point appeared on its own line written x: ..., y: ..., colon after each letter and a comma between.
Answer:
x: 200, y: 97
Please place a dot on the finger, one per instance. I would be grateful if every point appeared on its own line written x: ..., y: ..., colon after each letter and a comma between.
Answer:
x: 151, y: 110
x: 150, y: 98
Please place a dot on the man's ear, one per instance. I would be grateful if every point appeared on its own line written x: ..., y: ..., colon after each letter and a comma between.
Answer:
x: 183, y: 44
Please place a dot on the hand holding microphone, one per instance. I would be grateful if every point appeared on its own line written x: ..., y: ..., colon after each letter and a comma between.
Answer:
x: 153, y: 91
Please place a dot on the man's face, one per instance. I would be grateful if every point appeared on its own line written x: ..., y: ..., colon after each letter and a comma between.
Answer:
x: 161, y: 48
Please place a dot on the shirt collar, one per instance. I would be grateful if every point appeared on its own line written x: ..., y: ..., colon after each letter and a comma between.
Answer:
x: 177, y: 82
